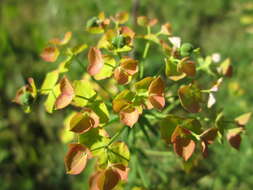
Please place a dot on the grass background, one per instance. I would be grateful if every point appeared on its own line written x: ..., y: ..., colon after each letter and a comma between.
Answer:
x: 31, y: 150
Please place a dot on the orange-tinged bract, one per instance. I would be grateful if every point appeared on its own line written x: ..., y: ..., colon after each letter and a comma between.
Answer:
x: 65, y: 40
x: 76, y: 158
x: 66, y: 95
x: 109, y: 178
x: 166, y: 29
x: 184, y: 147
x: 50, y: 54
x: 82, y: 122
x: 156, y: 93
x: 121, y: 17
x: 95, y: 61
x: 234, y: 139
x: 242, y: 120
x: 129, y: 116
x: 190, y: 97
x: 129, y: 65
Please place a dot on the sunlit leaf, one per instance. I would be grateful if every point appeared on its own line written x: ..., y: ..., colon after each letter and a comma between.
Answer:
x: 93, y: 26
x: 145, y: 21
x: 129, y: 65
x: 79, y: 48
x: 121, y: 76
x: 106, y: 39
x: 166, y: 29
x: 204, y: 148
x: 32, y: 87
x: 119, y: 104
x: 143, y: 84
x: 157, y: 101
x: 109, y: 178
x: 81, y: 122
x: 190, y: 98
x: 152, y: 37
x: 188, y: 67
x: 99, y: 107
x: 171, y: 70
x: 157, y: 86
x: 122, y: 17
x: 83, y: 92
x: 51, y: 98
x: 64, y: 133
x: 122, y: 99
x: 156, y: 93
x: 129, y: 116
x: 49, y: 82
x: 243, y: 119
x: 95, y: 61
x: 119, y: 153
x: 175, y: 41
x: 128, y: 33
x: 152, y: 22
x: 167, y: 127
x: 142, y: 20
x: 24, y: 98
x: 93, y: 137
x: 66, y: 95
x: 65, y: 40
x: 166, y: 48
x: 184, y: 147
x: 171, y: 122
x: 226, y: 68
x: 216, y: 85
x: 107, y: 70
x: 63, y: 66
x: 26, y: 94
x: 211, y: 100
x: 50, y: 54
x: 76, y: 158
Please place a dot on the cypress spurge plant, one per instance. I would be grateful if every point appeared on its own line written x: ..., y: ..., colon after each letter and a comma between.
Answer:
x: 114, y: 96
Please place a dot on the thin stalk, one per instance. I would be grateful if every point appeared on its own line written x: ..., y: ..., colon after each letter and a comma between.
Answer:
x: 116, y: 135
x: 158, y: 153
x: 82, y: 97
x: 94, y: 149
x: 145, y: 53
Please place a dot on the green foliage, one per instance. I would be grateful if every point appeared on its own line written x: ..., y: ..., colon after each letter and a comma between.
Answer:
x: 136, y: 97
x: 27, y: 141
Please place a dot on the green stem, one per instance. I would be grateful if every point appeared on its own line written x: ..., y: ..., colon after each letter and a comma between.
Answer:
x: 112, y: 121
x: 158, y: 153
x: 116, y: 135
x: 145, y: 53
x: 79, y: 96
x: 171, y: 106
x: 205, y: 91
x: 47, y: 89
x: 94, y: 149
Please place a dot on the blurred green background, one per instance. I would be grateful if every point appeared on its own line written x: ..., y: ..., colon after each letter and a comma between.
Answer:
x: 31, y: 150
